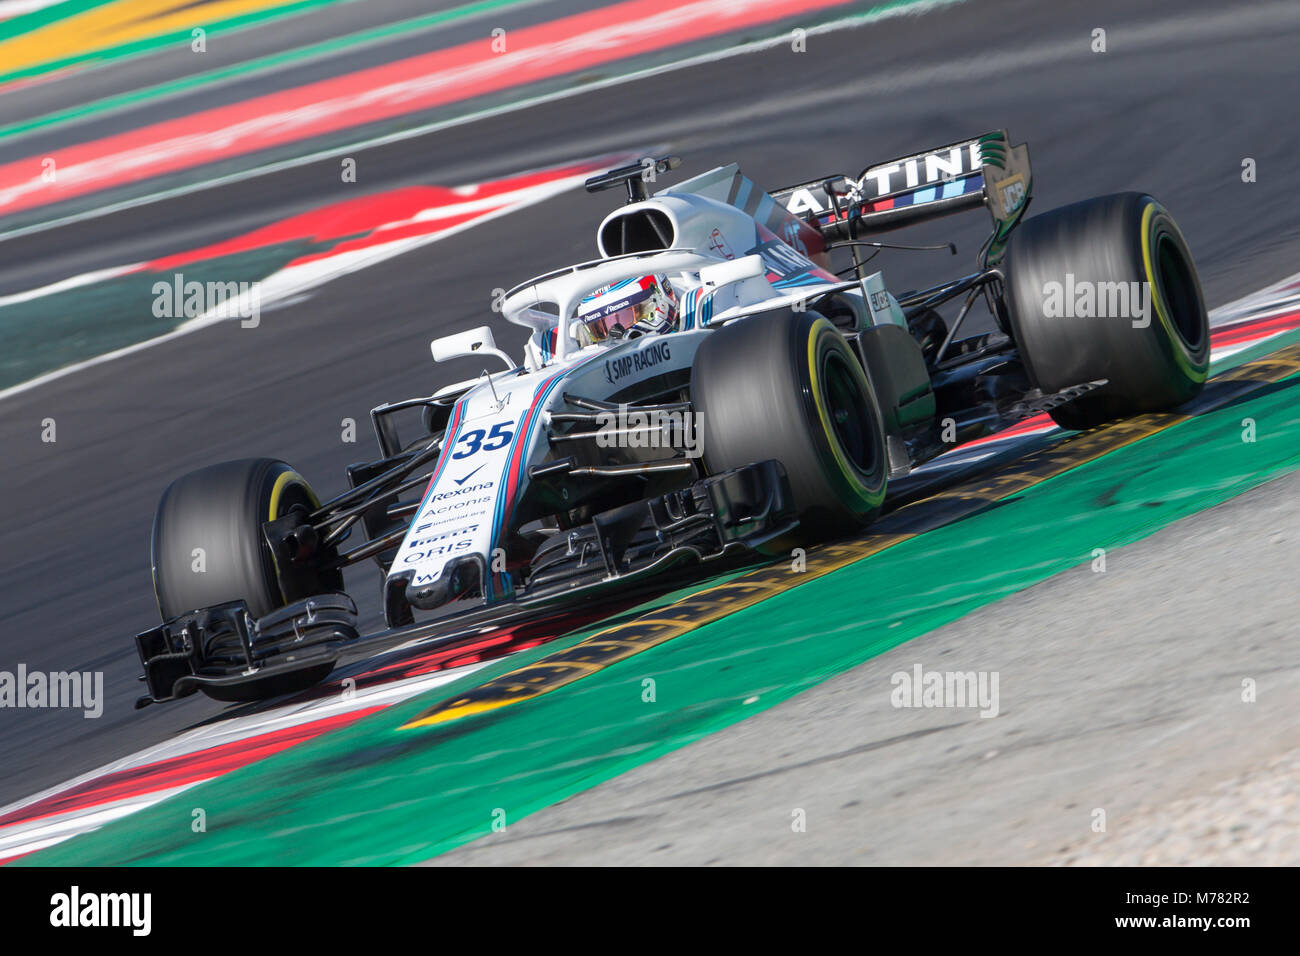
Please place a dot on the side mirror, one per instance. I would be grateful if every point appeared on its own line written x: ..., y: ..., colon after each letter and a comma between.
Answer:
x: 467, y: 344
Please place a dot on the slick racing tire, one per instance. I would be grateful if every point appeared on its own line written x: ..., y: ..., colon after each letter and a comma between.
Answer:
x: 208, y: 549
x: 1076, y: 281
x: 787, y: 386
x: 208, y: 546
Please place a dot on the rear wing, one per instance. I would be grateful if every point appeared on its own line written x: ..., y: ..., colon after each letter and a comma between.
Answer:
x: 985, y: 171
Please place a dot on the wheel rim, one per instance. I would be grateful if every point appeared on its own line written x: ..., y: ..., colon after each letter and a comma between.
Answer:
x: 850, y: 427
x: 1177, y: 287
x: 288, y: 492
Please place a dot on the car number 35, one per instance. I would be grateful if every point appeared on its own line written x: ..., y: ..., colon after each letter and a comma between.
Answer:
x: 473, y: 440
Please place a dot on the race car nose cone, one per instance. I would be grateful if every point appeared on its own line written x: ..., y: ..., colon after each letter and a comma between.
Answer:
x: 460, y: 577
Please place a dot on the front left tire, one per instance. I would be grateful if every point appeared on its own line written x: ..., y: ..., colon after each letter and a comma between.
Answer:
x: 208, y: 546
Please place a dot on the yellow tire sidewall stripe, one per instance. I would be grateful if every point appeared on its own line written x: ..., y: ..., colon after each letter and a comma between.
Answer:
x: 1181, y: 355
x: 822, y: 327
x: 285, y: 480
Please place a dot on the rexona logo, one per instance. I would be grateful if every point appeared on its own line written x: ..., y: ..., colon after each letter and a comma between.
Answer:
x: 76, y: 909
x: 620, y: 368
x: 458, y: 492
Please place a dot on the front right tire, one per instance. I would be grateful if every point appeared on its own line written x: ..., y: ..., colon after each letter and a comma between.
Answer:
x: 787, y: 386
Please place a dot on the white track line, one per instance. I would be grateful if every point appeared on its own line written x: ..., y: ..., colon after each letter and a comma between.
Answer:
x: 287, y: 282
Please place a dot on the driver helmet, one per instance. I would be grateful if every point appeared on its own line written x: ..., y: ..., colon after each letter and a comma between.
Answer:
x: 627, y: 309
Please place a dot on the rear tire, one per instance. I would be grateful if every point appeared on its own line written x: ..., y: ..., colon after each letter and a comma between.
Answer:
x: 787, y: 386
x: 1153, y: 362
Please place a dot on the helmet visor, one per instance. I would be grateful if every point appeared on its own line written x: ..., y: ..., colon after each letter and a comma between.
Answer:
x: 643, y: 308
x: 614, y: 325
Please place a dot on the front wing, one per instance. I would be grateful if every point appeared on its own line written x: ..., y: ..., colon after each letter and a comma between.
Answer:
x: 229, y: 654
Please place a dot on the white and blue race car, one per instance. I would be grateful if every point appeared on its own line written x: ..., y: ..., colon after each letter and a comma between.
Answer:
x: 712, y: 386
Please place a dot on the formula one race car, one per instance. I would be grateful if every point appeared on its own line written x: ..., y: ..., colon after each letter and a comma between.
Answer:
x: 707, y: 387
